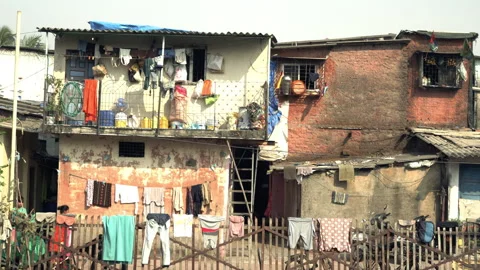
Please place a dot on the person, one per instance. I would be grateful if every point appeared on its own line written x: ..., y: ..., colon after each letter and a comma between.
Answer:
x: 63, y: 209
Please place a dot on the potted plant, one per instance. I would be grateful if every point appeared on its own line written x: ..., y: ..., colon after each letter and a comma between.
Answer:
x: 54, y: 107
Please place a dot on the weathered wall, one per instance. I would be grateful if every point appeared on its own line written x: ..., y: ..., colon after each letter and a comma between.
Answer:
x: 5, y: 142
x: 435, y: 107
x: 164, y: 165
x: 31, y: 71
x: 363, y: 111
x: 407, y: 192
x: 245, y: 72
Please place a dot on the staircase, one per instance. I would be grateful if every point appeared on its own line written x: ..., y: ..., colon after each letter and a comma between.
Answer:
x: 246, y: 161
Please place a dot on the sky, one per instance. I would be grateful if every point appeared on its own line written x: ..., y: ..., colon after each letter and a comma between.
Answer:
x: 287, y: 20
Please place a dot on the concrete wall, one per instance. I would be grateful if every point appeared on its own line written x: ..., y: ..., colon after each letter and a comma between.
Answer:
x: 5, y: 142
x: 245, y: 71
x: 164, y: 165
x: 31, y: 71
x: 459, y: 208
x: 407, y: 192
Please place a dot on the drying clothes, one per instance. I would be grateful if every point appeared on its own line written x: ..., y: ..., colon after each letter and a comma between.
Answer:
x: 177, y: 199
x: 195, y: 200
x: 335, y: 234
x: 303, y: 171
x: 5, y: 229
x: 96, y: 53
x: 182, y: 225
x: 346, y: 172
x: 189, y: 202
x: 207, y: 194
x: 127, y: 194
x: 169, y: 53
x: 151, y: 229
x: 90, y: 100
x: 102, y: 194
x: 161, y: 219
x: 125, y: 56
x: 210, y: 228
x: 181, y: 73
x: 62, y: 237
x: 66, y: 219
x: 236, y: 226
x: 300, y: 228
x: 89, y: 191
x: 118, y: 238
x: 153, y: 200
x: 147, y: 71
x: 181, y: 56
x: 47, y: 217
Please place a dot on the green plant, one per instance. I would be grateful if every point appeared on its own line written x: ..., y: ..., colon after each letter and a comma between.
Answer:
x: 54, y: 106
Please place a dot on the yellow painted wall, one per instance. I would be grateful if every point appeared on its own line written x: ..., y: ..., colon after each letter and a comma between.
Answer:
x: 5, y: 142
x: 245, y: 72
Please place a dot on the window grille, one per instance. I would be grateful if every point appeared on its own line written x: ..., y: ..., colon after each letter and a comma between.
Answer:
x: 131, y: 149
x: 440, y: 70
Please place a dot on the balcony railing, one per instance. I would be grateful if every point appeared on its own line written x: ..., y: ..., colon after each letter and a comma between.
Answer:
x: 234, y: 110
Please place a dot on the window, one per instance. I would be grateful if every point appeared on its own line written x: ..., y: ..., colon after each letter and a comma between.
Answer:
x: 440, y: 70
x: 131, y: 149
x: 301, y: 72
x: 78, y: 68
x: 469, y: 181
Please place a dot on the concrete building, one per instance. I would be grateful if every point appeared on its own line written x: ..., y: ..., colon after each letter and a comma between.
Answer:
x: 143, y: 154
x: 363, y: 95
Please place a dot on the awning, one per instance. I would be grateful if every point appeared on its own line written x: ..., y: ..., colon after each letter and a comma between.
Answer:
x: 452, y: 143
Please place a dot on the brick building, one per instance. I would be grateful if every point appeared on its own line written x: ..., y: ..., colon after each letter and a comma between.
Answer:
x: 358, y: 109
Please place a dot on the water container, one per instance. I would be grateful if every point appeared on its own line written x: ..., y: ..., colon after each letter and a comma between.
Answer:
x: 176, y: 125
x: 155, y: 122
x: 285, y: 85
x: 146, y: 123
x: 106, y: 119
x: 201, y: 125
x: 210, y: 124
x: 121, y: 120
x: 163, y: 122
x: 243, y: 118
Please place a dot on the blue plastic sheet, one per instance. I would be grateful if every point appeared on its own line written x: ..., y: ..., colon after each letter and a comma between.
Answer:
x: 99, y: 25
x: 273, y: 113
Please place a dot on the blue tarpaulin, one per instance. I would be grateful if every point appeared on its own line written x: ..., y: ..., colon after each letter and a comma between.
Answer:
x: 273, y: 113
x: 98, y: 25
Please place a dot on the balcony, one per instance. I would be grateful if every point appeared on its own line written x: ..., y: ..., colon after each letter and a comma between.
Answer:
x: 234, y: 110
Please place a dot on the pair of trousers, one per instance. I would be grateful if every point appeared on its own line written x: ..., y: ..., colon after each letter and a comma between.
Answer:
x: 151, y: 229
x: 300, y: 228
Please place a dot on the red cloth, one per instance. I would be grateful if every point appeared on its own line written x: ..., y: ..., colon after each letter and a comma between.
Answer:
x: 58, y: 239
x: 90, y: 100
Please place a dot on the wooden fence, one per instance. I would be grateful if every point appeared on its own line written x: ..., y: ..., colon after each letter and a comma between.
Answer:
x: 264, y: 246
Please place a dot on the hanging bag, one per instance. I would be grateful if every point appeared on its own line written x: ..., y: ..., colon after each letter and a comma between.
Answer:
x: 425, y: 230
x: 197, y: 92
x: 207, y: 88
x: 215, y: 62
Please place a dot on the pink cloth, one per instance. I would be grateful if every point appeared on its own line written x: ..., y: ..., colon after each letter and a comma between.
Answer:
x: 335, y: 234
x: 236, y: 226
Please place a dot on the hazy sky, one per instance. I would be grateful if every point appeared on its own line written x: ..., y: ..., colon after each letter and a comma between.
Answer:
x: 287, y: 20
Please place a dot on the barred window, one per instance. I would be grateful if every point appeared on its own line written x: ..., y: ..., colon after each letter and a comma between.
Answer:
x: 440, y: 70
x: 131, y: 149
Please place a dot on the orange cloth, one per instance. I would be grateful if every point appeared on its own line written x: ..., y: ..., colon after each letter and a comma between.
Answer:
x: 90, y: 100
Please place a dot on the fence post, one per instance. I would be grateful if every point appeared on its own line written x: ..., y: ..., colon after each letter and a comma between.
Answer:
x: 193, y: 246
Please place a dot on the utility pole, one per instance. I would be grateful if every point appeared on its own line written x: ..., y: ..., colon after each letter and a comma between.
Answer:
x: 13, y: 146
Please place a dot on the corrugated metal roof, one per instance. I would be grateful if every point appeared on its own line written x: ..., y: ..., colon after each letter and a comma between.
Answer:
x: 456, y: 144
x: 23, y: 107
x: 439, y: 35
x: 159, y: 32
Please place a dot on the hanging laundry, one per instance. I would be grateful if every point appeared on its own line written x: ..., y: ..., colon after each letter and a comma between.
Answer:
x: 45, y: 217
x: 153, y: 200
x: 207, y: 195
x: 90, y: 100
x: 118, y: 238
x: 127, y: 194
x: 335, y: 234
x: 300, y: 228
x: 346, y: 172
x: 102, y: 194
x: 169, y: 53
x: 96, y: 52
x: 182, y: 225
x: 190, y: 202
x: 89, y: 193
x: 181, y: 56
x: 290, y: 172
x: 157, y: 223
x: 236, y: 226
x: 181, y: 73
x: 82, y: 47
x: 5, y: 229
x: 210, y: 228
x: 177, y: 200
x: 62, y: 235
x: 196, y: 200
x: 147, y: 71
x: 303, y: 171
x: 433, y: 43
x: 125, y: 56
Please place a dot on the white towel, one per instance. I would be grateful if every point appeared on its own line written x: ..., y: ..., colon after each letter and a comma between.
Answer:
x: 182, y: 225
x: 127, y: 194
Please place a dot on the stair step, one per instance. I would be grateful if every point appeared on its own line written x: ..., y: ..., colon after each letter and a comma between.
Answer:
x: 243, y: 180
x: 240, y: 191
x: 240, y: 214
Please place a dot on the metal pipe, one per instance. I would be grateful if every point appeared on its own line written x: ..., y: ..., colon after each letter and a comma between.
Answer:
x: 45, y: 89
x: 160, y: 86
x: 13, y: 146
x: 267, y: 94
x: 99, y: 105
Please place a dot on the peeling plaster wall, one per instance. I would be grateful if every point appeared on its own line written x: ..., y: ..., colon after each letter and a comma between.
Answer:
x: 407, y: 192
x: 164, y: 165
